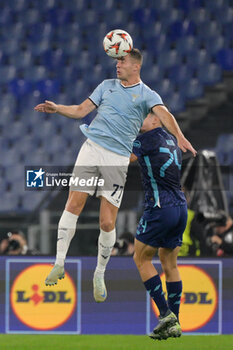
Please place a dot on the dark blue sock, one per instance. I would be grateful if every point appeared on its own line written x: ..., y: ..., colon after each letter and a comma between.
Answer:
x: 154, y: 287
x: 174, y: 291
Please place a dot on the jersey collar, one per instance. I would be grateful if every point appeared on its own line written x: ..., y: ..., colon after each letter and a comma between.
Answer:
x: 130, y: 86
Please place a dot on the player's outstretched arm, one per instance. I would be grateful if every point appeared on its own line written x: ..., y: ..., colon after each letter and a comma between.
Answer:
x: 75, y: 112
x: 171, y: 124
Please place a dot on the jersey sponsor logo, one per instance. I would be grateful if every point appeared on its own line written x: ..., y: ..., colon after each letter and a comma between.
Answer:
x: 199, y: 298
x: 40, y: 307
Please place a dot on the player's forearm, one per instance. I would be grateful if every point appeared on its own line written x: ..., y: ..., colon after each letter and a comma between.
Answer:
x: 171, y: 124
x: 168, y: 120
x: 74, y: 112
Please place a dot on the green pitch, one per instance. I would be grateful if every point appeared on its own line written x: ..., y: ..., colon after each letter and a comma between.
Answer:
x: 112, y: 342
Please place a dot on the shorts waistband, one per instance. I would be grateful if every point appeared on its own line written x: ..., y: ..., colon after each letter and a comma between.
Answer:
x: 106, y: 149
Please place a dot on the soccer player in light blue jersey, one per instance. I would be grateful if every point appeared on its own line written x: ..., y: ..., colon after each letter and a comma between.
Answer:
x: 122, y: 104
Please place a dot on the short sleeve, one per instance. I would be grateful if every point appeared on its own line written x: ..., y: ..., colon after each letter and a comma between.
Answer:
x: 97, y: 94
x: 153, y: 99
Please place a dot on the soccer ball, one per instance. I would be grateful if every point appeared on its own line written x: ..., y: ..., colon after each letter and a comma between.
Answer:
x: 117, y: 43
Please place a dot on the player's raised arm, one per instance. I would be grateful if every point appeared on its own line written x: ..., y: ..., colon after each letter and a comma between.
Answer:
x: 171, y: 124
x: 75, y: 111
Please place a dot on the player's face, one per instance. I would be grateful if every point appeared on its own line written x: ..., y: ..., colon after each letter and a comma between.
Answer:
x: 125, y: 67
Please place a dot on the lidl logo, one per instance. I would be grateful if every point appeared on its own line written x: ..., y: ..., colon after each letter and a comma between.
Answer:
x: 35, y: 178
x: 199, y: 298
x: 40, y: 307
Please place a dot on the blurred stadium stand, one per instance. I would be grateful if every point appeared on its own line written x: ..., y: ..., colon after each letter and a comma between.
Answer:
x: 53, y: 50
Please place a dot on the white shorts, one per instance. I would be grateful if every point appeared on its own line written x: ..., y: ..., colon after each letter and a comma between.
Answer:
x: 101, y: 171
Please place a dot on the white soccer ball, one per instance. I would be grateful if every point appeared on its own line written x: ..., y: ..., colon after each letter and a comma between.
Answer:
x: 117, y: 43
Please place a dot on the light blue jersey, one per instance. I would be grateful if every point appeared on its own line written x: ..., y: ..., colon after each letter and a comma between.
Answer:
x: 121, y: 112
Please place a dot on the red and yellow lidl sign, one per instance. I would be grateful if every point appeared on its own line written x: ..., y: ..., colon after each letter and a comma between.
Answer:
x: 199, y: 298
x: 38, y: 306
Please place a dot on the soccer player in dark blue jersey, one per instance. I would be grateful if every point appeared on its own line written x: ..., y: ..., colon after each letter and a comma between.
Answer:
x: 163, y: 221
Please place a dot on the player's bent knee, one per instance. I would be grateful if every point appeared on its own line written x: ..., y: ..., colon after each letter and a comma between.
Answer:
x: 141, y: 260
x: 136, y: 259
x: 75, y: 203
x: 169, y: 269
x: 73, y: 208
x: 107, y: 225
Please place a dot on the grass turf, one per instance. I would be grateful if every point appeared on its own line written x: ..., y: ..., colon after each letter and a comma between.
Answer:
x: 111, y: 342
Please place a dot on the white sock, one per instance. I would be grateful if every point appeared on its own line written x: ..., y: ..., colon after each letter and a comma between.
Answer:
x: 105, y: 244
x: 66, y: 231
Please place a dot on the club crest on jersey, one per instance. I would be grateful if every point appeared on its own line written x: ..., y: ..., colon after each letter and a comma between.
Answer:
x: 134, y: 97
x: 137, y: 144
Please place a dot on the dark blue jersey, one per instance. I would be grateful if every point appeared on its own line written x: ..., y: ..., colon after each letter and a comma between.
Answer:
x: 160, y: 159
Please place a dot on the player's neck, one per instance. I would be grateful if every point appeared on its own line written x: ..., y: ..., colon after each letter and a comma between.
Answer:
x: 131, y: 81
x: 149, y: 129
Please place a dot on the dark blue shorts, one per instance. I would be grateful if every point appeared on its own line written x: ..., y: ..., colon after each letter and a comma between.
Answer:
x: 162, y: 227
